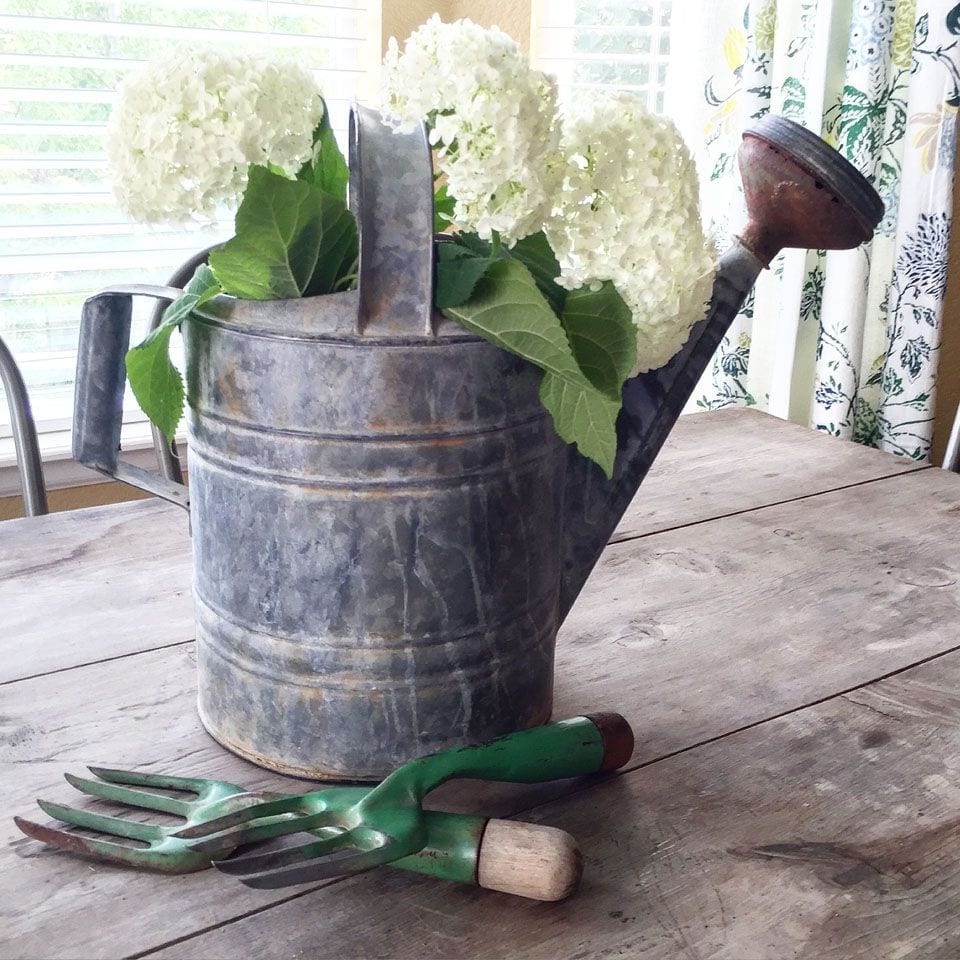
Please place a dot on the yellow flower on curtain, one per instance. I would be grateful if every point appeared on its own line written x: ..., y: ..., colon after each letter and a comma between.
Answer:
x: 904, y: 21
x: 883, y: 76
x: 765, y: 27
x: 724, y: 121
x: 735, y: 48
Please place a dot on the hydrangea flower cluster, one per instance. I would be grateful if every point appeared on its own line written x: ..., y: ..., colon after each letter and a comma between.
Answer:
x: 492, y: 122
x: 187, y: 127
x: 627, y: 210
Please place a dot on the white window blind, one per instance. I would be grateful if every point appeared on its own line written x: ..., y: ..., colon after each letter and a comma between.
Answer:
x: 62, y: 237
x: 605, y: 44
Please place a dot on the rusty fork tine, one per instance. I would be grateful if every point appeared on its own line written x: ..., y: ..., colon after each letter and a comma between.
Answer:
x: 114, y: 826
x: 129, y: 798
x: 260, y: 811
x: 103, y: 850
x: 340, y: 864
x: 269, y: 830
x: 259, y: 862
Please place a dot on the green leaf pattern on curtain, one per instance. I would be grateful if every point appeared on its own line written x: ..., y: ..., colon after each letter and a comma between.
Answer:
x: 845, y: 341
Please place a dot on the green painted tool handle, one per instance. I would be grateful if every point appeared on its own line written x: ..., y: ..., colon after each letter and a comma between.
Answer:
x: 452, y: 848
x: 524, y: 859
x: 554, y: 751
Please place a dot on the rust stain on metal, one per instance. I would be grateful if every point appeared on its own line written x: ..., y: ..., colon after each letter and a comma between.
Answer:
x: 232, y: 395
x: 793, y: 204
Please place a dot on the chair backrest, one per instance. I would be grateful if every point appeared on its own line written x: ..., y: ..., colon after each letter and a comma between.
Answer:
x: 25, y: 441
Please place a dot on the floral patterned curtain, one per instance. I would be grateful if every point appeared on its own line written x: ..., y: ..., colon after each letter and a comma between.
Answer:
x: 845, y: 341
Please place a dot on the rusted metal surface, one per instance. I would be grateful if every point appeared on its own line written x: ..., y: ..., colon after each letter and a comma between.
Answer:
x: 387, y: 532
x: 374, y: 510
x: 801, y: 193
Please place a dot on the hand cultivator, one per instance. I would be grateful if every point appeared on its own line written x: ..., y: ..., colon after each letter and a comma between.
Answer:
x: 355, y: 828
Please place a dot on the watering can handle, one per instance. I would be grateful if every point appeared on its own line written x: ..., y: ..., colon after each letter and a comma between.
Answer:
x: 101, y: 376
x: 391, y: 195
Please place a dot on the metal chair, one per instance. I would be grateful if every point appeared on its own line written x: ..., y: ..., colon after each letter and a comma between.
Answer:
x: 29, y: 463
x: 25, y: 441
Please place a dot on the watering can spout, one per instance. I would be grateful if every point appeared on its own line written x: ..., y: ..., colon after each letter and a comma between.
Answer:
x: 799, y: 193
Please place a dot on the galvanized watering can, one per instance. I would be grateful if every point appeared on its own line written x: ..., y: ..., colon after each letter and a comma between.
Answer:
x: 387, y: 533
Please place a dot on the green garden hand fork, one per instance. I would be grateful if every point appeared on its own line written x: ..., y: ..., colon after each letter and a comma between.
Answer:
x: 388, y: 823
x: 524, y: 859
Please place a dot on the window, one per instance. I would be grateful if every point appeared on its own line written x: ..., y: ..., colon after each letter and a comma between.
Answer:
x: 62, y: 237
x: 605, y: 44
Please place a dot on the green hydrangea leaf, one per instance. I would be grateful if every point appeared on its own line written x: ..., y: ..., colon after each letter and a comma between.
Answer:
x: 326, y: 169
x: 292, y: 240
x: 584, y: 416
x: 458, y: 272
x: 155, y: 381
x: 600, y: 329
x: 203, y: 286
x: 473, y: 243
x: 508, y: 309
x: 536, y: 254
x: 443, y: 205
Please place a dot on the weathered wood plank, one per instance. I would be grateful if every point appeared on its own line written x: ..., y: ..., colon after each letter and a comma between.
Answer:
x: 724, y: 461
x: 830, y: 834
x: 92, y: 584
x: 691, y: 633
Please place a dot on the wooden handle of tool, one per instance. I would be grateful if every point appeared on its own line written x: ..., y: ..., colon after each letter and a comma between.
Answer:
x: 528, y: 860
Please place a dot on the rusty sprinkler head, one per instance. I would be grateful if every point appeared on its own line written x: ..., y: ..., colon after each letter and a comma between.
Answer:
x: 801, y: 193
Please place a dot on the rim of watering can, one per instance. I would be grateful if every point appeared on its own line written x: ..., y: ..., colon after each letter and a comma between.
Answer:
x: 331, y: 316
x: 823, y: 162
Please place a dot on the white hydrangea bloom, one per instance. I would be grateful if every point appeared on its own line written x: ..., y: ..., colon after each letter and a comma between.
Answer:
x: 492, y: 119
x: 187, y: 126
x: 628, y: 211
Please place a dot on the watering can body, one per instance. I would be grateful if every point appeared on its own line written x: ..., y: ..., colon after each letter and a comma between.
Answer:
x: 387, y: 532
x: 376, y: 544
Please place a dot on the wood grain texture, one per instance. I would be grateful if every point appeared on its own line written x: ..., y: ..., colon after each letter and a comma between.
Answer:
x: 830, y: 834
x: 92, y: 584
x: 692, y: 634
x: 529, y: 860
x: 724, y: 461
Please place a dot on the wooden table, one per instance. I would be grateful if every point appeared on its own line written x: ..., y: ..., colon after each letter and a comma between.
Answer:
x: 779, y: 618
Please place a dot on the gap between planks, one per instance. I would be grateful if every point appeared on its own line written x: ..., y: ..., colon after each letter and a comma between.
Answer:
x: 96, y: 663
x: 625, y: 771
